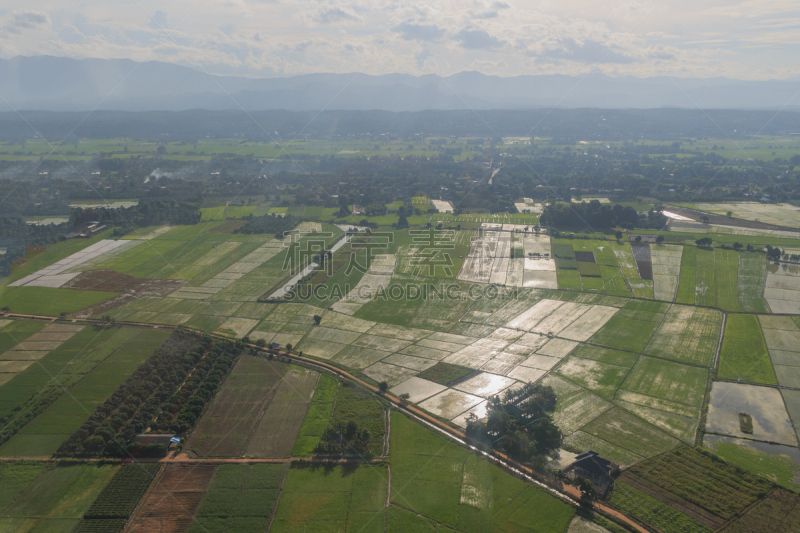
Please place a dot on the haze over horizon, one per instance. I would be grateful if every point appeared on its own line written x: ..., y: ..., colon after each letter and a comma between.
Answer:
x: 744, y: 40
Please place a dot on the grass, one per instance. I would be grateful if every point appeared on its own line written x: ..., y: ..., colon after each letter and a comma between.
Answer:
x: 48, y: 301
x: 744, y: 354
x: 687, y: 335
x: 17, y: 331
x: 632, y: 327
x: 324, y: 499
x: 648, y: 510
x: 622, y: 429
x: 445, y: 373
x: 14, y: 478
x: 60, y: 493
x: 751, y: 282
x: 568, y: 279
x: 355, y: 404
x: 706, y: 288
x: 686, y: 285
x: 445, y: 483
x: 241, y: 498
x: 668, y: 380
x: 317, y: 417
x: 726, y: 276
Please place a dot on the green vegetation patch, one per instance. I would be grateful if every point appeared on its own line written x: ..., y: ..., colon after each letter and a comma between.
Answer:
x: 632, y: 327
x: 601, y: 378
x: 686, y: 284
x: 744, y: 354
x: 589, y: 269
x: 778, y: 512
x: 446, y: 373
x: 120, y: 497
x: 43, y: 435
x: 15, y: 478
x: 622, y: 429
x: 49, y: 301
x: 752, y: 271
x: 668, y: 380
x: 240, y: 496
x: 705, y: 288
x: 357, y: 405
x: 726, y: 276
x: 648, y: 510
x: 59, y: 497
x: 703, y: 479
x: 317, y: 417
x: 17, y: 331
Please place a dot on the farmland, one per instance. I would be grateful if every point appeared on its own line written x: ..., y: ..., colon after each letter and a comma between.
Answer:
x: 626, y: 333
x: 744, y: 354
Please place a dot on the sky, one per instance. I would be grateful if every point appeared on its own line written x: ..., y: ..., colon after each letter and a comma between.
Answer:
x: 751, y: 40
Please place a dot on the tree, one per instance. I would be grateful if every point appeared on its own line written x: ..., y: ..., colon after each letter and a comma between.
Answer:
x: 317, y: 319
x: 773, y: 253
x: 704, y: 219
x: 737, y: 246
x: 618, y: 235
x: 161, y: 150
x: 638, y: 238
x: 404, y: 397
x: 705, y: 241
x: 729, y: 214
x: 261, y: 343
x: 288, y: 347
x: 659, y: 239
x: 6, y: 309
x: 383, y: 387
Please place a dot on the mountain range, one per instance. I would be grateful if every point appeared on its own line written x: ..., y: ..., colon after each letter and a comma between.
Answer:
x: 63, y: 84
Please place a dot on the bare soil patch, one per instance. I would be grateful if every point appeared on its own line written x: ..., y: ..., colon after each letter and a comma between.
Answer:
x: 130, y: 288
x: 173, y: 500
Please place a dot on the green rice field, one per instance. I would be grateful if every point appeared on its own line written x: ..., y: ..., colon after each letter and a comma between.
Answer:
x: 744, y: 355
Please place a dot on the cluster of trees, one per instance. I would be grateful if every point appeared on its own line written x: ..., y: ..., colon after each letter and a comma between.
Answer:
x: 344, y: 439
x: 17, y: 237
x: 269, y: 224
x: 601, y: 216
x: 183, y: 409
x: 146, y: 213
x: 519, y: 424
x: 142, y: 398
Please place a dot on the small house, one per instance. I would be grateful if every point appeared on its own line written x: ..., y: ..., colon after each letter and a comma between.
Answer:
x: 589, y: 465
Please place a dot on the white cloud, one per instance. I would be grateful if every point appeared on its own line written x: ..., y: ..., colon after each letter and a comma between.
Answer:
x: 750, y: 39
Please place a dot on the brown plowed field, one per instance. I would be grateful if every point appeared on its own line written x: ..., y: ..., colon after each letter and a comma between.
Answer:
x: 130, y: 288
x: 225, y: 429
x: 172, y: 501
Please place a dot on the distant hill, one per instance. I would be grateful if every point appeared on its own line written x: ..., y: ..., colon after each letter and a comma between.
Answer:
x: 64, y: 84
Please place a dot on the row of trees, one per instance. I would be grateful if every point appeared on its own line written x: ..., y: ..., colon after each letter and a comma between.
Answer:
x: 271, y: 223
x: 594, y: 215
x: 146, y: 213
x: 150, y: 396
